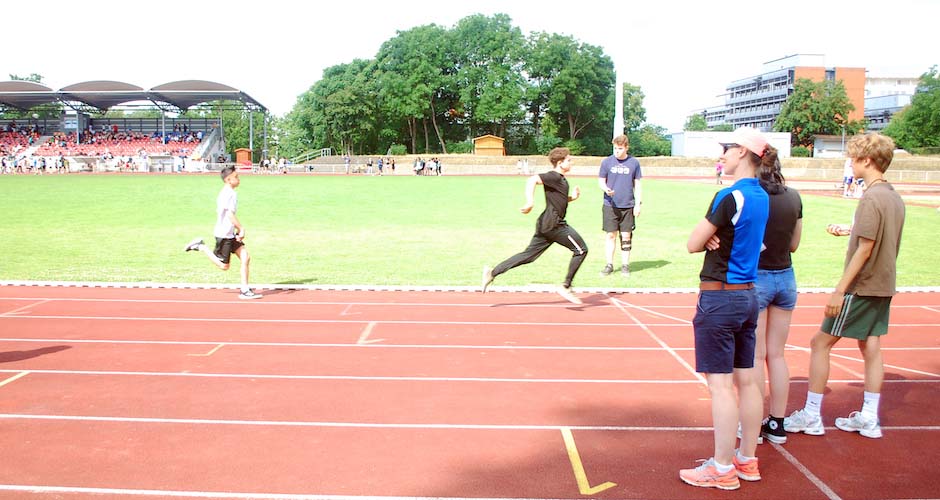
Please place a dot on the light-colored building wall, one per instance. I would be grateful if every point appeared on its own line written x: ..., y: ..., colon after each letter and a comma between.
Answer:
x: 707, y: 144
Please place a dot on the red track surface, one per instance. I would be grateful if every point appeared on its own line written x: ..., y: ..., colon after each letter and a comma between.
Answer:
x: 313, y: 394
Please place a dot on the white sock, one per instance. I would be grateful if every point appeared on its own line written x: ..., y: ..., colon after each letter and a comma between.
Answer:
x: 813, y: 403
x: 870, y: 404
x: 724, y: 469
x: 743, y: 458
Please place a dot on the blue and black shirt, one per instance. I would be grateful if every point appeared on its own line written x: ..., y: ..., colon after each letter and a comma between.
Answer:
x: 740, y: 213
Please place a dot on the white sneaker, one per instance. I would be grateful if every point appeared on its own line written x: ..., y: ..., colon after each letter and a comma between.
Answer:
x: 487, y: 278
x: 760, y: 439
x: 249, y: 294
x: 567, y: 295
x: 858, y: 422
x: 802, y: 421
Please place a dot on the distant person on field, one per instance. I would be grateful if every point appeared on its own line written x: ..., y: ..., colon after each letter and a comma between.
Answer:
x: 848, y: 178
x: 718, y: 171
x: 859, y: 306
x: 551, y: 226
x: 229, y: 233
x: 732, y: 236
x: 619, y: 179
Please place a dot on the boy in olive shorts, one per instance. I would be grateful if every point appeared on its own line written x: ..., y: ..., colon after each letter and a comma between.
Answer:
x: 859, y: 306
x: 229, y: 233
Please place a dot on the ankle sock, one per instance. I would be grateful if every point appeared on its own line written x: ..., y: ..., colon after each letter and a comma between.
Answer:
x: 870, y: 404
x: 813, y: 403
x: 723, y: 469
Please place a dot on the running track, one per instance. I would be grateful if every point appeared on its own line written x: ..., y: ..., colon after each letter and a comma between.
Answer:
x: 185, y: 393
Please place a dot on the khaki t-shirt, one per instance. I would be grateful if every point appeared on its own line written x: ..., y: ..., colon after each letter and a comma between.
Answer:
x: 879, y: 217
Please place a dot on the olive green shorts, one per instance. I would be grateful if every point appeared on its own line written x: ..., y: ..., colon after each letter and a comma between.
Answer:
x: 860, y: 318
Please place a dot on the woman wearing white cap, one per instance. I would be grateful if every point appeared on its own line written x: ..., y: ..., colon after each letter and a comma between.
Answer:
x: 731, y: 234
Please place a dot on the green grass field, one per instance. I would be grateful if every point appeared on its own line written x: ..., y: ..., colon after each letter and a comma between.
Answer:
x: 378, y: 230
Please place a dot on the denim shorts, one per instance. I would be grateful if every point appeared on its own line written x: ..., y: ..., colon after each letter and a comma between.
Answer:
x: 725, y: 321
x: 776, y: 288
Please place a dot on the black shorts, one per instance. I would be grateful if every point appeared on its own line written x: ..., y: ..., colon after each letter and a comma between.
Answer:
x: 224, y: 248
x: 618, y: 219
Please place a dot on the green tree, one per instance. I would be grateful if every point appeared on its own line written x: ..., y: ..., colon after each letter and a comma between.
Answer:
x: 918, y: 125
x: 339, y: 111
x: 573, y: 81
x: 33, y: 77
x: 411, y: 74
x: 816, y: 108
x: 695, y: 123
x: 650, y: 140
x: 488, y: 54
x: 634, y: 113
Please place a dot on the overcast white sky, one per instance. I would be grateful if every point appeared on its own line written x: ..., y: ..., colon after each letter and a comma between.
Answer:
x: 682, y: 54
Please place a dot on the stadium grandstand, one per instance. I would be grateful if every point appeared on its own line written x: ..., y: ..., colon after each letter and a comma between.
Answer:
x: 66, y: 126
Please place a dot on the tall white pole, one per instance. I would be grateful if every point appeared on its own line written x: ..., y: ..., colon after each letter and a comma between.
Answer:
x: 618, y: 104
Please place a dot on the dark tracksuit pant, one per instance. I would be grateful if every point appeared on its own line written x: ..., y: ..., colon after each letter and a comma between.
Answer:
x: 564, y: 235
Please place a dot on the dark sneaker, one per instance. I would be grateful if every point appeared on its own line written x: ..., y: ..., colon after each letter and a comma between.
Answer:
x: 772, y: 431
x: 194, y: 245
x: 487, y: 278
x: 249, y: 294
x: 625, y: 270
x: 608, y: 269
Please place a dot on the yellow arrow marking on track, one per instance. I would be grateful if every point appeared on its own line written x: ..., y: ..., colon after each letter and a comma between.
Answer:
x: 583, y: 485
x: 14, y: 377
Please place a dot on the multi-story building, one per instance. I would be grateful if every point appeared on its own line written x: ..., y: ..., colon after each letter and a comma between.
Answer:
x: 885, y: 96
x: 756, y: 101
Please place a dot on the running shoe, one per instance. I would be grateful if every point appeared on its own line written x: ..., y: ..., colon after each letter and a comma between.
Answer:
x: 772, y: 431
x: 608, y: 270
x: 748, y: 470
x: 487, y: 277
x: 566, y: 294
x: 858, y: 422
x: 802, y: 421
x: 625, y: 270
x: 707, y: 476
x: 249, y: 294
x: 194, y: 245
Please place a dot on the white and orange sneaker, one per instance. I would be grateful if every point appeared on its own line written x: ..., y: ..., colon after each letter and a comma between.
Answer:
x: 707, y: 476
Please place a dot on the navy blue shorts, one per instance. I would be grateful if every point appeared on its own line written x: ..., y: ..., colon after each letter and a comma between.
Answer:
x: 725, y: 321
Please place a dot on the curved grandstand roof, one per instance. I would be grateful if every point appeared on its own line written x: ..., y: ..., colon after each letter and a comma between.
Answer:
x: 105, y: 94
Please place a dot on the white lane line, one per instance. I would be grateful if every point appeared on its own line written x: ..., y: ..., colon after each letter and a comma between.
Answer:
x: 359, y: 378
x: 386, y: 425
x: 18, y: 310
x: 623, y: 308
x: 859, y: 360
x: 823, y: 487
x: 513, y: 347
x: 423, y: 379
x: 327, y: 321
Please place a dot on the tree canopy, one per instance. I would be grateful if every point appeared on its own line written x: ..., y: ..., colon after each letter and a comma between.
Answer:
x: 433, y: 89
x: 918, y: 125
x: 816, y: 108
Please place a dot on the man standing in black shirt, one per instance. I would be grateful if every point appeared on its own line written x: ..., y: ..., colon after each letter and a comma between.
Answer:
x: 551, y: 226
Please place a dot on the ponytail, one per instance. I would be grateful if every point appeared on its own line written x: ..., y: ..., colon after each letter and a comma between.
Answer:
x: 769, y: 174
